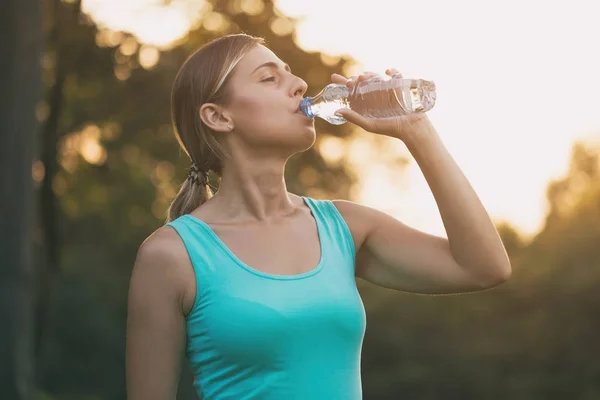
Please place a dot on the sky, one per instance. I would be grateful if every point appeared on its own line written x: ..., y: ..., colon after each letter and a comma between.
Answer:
x: 517, y: 83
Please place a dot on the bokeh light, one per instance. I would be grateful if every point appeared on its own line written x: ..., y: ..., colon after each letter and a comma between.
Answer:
x: 149, y: 56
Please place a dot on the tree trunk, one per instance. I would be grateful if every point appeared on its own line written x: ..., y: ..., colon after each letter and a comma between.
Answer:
x: 20, y: 92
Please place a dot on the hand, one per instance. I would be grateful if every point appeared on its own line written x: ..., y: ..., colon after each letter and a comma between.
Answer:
x: 403, y: 127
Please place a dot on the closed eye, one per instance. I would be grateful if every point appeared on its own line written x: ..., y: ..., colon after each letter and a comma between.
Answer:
x: 269, y: 79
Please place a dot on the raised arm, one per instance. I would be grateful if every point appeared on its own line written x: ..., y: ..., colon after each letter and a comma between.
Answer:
x: 394, y: 255
x: 155, y: 319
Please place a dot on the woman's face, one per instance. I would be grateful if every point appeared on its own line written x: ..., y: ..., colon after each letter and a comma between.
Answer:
x: 264, y: 103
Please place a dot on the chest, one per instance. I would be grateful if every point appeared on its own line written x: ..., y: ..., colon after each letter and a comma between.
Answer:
x: 256, y: 321
x: 281, y: 249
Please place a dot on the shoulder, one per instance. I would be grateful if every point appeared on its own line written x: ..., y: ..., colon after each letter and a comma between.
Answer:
x: 163, y: 246
x: 162, y: 266
x: 361, y: 220
x: 356, y: 212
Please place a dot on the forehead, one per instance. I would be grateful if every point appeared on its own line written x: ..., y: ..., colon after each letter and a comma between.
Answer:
x: 256, y: 57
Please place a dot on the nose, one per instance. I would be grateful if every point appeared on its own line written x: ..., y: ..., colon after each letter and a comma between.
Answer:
x: 299, y: 87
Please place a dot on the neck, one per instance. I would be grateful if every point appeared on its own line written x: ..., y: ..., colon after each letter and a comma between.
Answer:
x: 254, y: 190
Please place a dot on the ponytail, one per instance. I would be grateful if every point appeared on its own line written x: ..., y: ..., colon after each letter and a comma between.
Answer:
x: 203, y: 78
x: 192, y: 194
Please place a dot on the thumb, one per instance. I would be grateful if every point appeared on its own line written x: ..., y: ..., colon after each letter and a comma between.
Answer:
x: 339, y: 79
x: 356, y: 118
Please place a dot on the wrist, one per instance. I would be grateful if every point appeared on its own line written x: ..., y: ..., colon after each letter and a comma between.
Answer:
x: 420, y: 134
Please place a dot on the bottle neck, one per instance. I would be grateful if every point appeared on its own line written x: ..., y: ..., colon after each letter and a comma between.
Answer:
x: 333, y: 94
x: 307, y: 106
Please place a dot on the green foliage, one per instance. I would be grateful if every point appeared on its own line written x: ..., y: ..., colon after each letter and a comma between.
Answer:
x: 534, y: 337
x: 119, y: 167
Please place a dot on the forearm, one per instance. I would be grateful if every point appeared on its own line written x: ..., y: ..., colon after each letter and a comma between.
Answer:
x: 474, y: 240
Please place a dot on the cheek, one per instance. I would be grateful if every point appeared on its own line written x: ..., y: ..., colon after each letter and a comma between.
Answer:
x: 261, y: 112
x: 248, y: 108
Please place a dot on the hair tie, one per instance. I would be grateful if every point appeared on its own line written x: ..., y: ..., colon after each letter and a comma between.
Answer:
x: 195, y: 175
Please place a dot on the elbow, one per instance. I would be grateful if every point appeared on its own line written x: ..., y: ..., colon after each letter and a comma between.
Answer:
x: 499, y: 269
x: 498, y: 274
x: 504, y: 268
x: 504, y: 274
x: 489, y: 272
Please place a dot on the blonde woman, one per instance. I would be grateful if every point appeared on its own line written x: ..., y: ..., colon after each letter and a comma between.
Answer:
x: 256, y: 285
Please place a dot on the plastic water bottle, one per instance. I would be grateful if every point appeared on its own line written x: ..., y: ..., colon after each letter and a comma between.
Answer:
x: 375, y: 98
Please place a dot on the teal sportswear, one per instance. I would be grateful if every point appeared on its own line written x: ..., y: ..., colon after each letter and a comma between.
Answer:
x: 254, y: 335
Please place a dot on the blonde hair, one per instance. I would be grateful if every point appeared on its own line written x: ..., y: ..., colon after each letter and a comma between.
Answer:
x: 203, y: 78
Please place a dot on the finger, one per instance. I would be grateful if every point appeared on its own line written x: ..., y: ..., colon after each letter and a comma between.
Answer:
x: 366, y: 75
x: 392, y: 72
x: 356, y: 118
x: 351, y: 81
x: 360, y: 78
x: 337, y: 78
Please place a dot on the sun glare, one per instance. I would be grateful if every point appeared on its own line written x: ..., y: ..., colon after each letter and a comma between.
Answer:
x: 498, y: 68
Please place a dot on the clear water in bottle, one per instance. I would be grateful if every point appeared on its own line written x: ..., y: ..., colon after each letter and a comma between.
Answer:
x: 375, y: 98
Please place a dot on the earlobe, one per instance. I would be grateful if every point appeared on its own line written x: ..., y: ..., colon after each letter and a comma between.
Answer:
x: 213, y: 117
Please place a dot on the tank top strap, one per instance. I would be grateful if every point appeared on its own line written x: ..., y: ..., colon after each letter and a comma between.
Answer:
x: 209, y: 259
x: 201, y: 249
x: 198, y: 242
x: 337, y: 233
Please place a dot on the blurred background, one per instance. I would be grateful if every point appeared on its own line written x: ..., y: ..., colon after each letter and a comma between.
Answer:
x: 89, y: 165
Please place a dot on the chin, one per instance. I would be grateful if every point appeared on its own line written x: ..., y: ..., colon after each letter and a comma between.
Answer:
x: 307, y: 138
x: 292, y: 138
x: 299, y: 142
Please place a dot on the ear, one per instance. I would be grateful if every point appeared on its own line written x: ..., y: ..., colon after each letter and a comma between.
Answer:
x: 215, y: 118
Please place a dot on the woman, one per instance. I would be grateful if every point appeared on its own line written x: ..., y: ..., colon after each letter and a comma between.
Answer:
x: 257, y: 285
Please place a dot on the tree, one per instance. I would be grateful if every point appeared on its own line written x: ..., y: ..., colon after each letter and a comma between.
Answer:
x: 20, y: 73
x: 533, y: 337
x: 114, y: 165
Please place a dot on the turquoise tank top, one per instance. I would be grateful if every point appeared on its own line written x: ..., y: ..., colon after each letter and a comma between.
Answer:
x: 254, y: 335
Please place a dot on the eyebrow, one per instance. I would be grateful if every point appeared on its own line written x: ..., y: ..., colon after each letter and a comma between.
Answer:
x: 272, y: 64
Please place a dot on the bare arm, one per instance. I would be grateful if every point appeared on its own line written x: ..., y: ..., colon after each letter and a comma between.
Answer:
x: 397, y: 256
x: 394, y: 255
x: 155, y: 320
